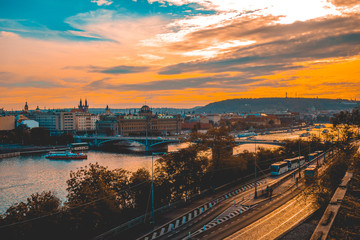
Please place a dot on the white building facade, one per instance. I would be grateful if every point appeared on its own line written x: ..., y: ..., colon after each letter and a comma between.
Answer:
x: 86, y: 122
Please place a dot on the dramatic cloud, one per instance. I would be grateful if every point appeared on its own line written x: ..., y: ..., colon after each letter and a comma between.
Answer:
x: 121, y: 69
x: 11, y: 80
x: 177, y: 52
x: 216, y: 81
x: 345, y: 3
x: 278, y: 47
x: 102, y: 2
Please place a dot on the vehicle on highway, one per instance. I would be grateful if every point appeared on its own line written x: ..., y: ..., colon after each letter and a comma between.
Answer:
x: 295, y: 162
x: 305, y: 134
x: 310, y: 173
x: 312, y: 156
x: 247, y: 134
x: 318, y: 152
x: 311, y: 170
x: 279, y: 168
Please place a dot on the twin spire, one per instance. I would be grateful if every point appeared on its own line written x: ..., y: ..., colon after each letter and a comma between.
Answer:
x: 85, y: 107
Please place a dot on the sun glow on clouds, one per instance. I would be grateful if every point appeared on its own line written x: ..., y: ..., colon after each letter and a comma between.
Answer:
x: 229, y: 11
x: 178, y: 29
x: 110, y: 25
x: 294, y: 10
x: 255, y: 48
x: 222, y: 47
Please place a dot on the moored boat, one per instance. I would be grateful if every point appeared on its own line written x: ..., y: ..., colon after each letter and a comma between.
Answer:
x: 66, y: 156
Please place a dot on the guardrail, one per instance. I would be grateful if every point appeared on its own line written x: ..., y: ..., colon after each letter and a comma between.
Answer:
x: 323, y: 228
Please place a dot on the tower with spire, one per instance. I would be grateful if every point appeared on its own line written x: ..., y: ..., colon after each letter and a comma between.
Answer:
x: 107, y: 110
x: 81, y: 107
x: 86, y: 106
x: 26, y: 108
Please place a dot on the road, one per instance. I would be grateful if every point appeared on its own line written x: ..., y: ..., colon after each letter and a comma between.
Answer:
x: 278, y: 221
x: 269, y: 220
x: 219, y: 214
x: 240, y: 211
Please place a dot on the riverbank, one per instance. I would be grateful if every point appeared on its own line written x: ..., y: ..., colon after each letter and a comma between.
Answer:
x: 14, y: 150
x: 24, y: 175
x: 9, y: 155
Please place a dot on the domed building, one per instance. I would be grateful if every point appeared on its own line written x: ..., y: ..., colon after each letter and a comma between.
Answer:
x: 146, y: 124
x: 145, y: 111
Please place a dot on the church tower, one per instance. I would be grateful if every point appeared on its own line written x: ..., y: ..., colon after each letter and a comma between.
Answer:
x: 81, y: 107
x: 26, y: 108
x: 86, y: 107
x: 107, y: 110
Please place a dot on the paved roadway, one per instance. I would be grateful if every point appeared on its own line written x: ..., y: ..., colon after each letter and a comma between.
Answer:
x: 234, y: 213
x: 279, y: 221
x: 219, y: 214
x: 269, y: 220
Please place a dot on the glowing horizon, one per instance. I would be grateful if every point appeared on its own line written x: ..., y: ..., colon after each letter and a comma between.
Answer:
x: 176, y: 53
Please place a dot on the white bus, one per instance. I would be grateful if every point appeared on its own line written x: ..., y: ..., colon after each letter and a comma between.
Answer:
x: 279, y: 168
x: 301, y: 160
x: 292, y: 163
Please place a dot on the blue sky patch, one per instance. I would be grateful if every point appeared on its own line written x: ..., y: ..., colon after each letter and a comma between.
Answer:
x: 47, y: 18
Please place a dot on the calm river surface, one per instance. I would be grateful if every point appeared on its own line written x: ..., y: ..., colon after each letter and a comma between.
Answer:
x: 22, y: 176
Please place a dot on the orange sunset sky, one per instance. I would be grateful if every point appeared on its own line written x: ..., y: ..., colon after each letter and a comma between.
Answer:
x: 176, y: 53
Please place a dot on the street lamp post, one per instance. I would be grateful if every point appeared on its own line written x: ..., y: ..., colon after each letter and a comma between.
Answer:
x: 255, y: 174
x: 299, y: 160
x: 309, y: 149
x: 317, y: 157
x: 152, y: 185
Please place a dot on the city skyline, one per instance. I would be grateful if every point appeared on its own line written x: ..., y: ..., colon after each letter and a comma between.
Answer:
x: 176, y: 53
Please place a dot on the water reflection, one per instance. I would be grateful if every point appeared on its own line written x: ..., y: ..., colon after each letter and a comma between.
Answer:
x: 22, y: 176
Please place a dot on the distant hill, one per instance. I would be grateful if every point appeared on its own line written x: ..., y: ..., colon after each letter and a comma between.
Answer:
x: 268, y: 105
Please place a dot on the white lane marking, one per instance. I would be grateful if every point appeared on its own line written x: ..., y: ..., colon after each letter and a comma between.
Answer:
x: 286, y: 220
x: 270, y: 215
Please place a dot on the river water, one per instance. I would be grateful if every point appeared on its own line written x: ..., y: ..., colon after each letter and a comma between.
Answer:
x: 22, y: 176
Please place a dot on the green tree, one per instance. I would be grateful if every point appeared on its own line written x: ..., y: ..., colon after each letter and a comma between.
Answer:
x: 65, y: 138
x: 221, y: 144
x: 140, y: 183
x: 104, y: 197
x: 28, y: 218
x: 39, y: 136
x: 180, y: 174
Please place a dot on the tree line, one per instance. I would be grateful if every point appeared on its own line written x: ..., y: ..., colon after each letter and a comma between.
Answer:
x: 38, y: 136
